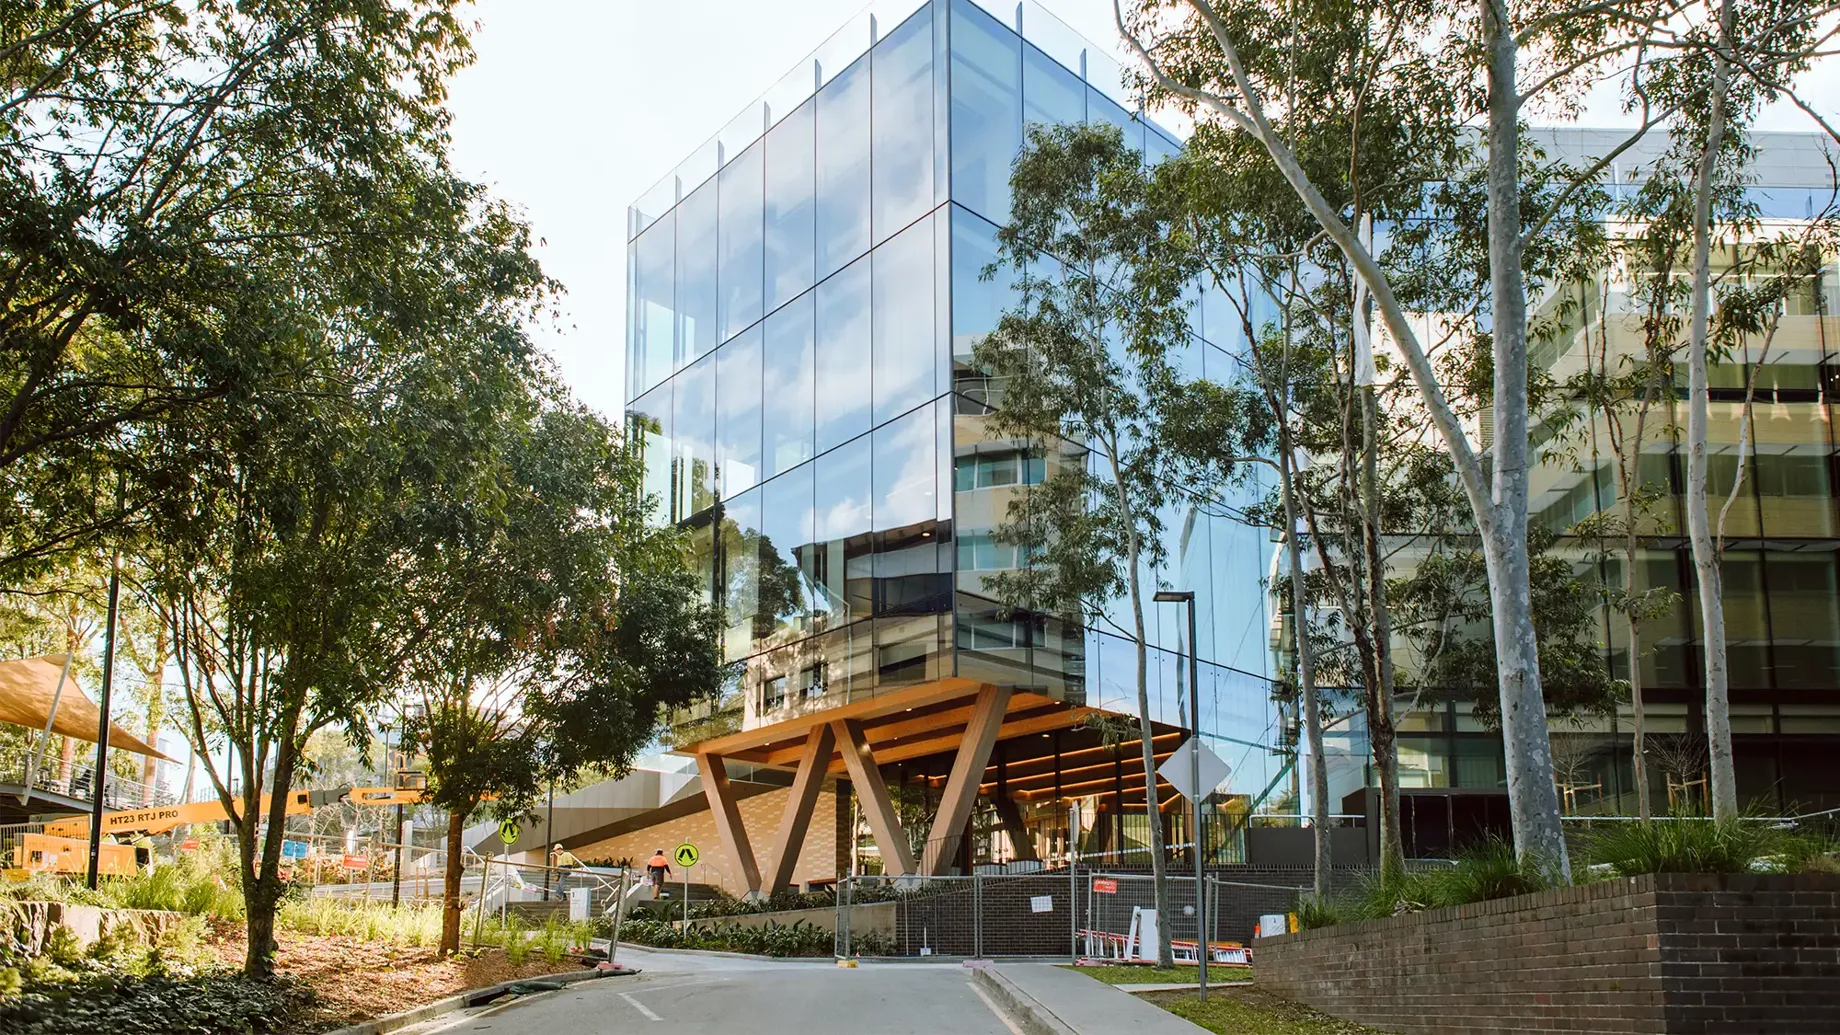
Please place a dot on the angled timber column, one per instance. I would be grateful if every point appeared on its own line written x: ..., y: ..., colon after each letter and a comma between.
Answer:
x: 806, y: 784
x: 962, y: 785
x: 728, y: 817
x: 897, y: 857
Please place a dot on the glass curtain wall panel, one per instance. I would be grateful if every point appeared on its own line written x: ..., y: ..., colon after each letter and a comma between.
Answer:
x: 738, y: 412
x: 693, y: 428
x: 697, y: 325
x: 912, y: 560
x: 1051, y: 95
x: 738, y: 571
x: 648, y: 422
x: 842, y: 562
x: 740, y: 238
x: 843, y: 356
x: 788, y: 379
x: 902, y: 153
x: 986, y: 110
x: 843, y: 187
x: 905, y: 353
x: 787, y: 556
x: 791, y: 206
x: 651, y: 306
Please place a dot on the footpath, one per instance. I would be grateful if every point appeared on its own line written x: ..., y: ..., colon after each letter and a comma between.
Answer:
x: 1047, y: 1000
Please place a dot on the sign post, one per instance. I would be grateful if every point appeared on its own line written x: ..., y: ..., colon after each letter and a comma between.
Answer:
x: 686, y: 856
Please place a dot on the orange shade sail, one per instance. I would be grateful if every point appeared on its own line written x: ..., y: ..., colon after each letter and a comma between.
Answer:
x: 28, y: 686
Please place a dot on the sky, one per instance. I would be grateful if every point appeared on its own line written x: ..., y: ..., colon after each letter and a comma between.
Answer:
x: 575, y: 108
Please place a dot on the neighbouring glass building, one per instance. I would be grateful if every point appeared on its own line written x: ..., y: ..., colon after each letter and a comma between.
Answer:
x: 804, y: 294
x: 1781, y: 565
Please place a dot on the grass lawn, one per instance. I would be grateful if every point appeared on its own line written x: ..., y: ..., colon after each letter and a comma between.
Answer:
x: 1156, y: 976
x: 1248, y: 1011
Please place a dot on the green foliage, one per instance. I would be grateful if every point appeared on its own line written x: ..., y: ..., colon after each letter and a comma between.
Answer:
x: 1685, y: 844
x: 799, y: 938
x: 1313, y: 912
x: 102, y: 1002
x: 191, y: 884
x: 409, y: 924
x: 1483, y: 872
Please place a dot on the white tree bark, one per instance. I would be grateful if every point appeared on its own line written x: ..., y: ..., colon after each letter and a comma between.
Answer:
x: 1498, y: 498
x: 1699, y: 530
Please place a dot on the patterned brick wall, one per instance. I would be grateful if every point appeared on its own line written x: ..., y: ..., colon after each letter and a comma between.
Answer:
x: 823, y: 857
x: 1668, y: 954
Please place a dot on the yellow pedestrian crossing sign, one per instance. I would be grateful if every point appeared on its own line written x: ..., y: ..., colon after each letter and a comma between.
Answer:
x: 686, y: 855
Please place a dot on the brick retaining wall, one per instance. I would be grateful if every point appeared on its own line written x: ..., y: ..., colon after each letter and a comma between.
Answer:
x: 1667, y: 954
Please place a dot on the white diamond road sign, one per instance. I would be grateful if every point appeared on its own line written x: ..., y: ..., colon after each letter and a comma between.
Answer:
x: 1176, y: 769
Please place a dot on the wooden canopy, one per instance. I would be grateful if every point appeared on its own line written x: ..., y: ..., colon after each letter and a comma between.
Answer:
x: 959, y: 719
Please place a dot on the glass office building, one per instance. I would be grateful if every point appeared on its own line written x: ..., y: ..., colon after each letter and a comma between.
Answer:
x: 1781, y: 570
x: 804, y: 294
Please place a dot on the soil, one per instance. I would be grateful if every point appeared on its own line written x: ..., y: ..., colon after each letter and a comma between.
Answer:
x: 354, y: 979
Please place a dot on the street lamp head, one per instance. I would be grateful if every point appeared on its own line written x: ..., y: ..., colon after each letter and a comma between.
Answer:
x: 1174, y: 596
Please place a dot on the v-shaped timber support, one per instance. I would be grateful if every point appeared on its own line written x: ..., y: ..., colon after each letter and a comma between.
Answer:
x: 877, y: 806
x: 807, y: 781
x: 728, y: 817
x: 962, y: 785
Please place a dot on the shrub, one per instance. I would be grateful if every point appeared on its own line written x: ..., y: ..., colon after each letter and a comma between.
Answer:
x: 1684, y: 844
x: 1313, y: 912
x: 1486, y: 871
x: 100, y: 1002
x: 771, y: 939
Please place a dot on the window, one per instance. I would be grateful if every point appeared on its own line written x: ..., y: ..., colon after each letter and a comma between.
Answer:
x: 986, y: 110
x: 743, y: 260
x: 651, y: 305
x: 843, y: 168
x: 843, y: 356
x: 790, y: 209
x: 738, y: 384
x: 903, y: 125
x: 787, y: 380
x: 904, y: 473
x: 906, y: 346
x: 997, y: 470
x: 696, y: 273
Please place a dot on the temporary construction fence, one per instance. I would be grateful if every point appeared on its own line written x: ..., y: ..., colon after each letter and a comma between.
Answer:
x: 1051, y: 914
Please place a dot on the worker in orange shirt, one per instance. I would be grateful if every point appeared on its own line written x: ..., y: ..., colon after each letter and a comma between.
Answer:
x: 658, y: 868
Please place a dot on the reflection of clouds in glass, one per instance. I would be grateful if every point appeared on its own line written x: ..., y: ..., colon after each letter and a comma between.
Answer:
x: 904, y: 471
x: 903, y: 316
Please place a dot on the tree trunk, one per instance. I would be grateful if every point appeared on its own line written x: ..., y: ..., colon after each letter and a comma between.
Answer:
x: 1380, y: 727
x: 450, y: 884
x: 1638, y: 717
x: 1306, y: 672
x: 259, y: 903
x: 1164, y: 955
x: 1533, y: 801
x: 1705, y: 555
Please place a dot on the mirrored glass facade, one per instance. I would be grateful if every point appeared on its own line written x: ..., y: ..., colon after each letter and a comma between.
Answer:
x: 802, y: 313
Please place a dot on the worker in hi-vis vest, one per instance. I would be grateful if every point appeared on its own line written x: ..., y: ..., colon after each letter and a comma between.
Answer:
x: 658, y: 868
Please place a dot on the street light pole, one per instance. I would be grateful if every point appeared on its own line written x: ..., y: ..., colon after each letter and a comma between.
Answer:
x: 1202, y: 939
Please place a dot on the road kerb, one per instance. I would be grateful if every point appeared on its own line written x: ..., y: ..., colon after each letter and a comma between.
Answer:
x: 1030, y: 1015
x: 473, y: 997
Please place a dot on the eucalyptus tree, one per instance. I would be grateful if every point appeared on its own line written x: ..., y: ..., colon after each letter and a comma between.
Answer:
x: 1082, y: 364
x: 171, y: 175
x: 568, y: 624
x: 1231, y: 64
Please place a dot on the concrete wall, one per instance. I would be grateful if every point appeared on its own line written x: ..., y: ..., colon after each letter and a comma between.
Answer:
x: 1660, y: 954
x: 825, y: 853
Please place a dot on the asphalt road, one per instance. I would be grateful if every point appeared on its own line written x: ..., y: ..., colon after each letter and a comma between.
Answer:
x: 697, y: 995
